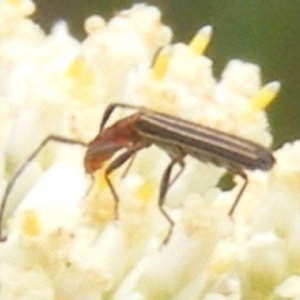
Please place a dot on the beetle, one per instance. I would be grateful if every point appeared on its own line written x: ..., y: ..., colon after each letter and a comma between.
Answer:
x: 178, y: 137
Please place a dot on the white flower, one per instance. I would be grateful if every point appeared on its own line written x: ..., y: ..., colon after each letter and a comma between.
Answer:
x: 63, y: 240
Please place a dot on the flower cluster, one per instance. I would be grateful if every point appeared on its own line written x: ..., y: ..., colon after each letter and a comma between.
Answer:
x: 63, y: 240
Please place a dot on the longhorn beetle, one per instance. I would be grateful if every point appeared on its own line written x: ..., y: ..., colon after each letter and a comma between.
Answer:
x: 175, y: 136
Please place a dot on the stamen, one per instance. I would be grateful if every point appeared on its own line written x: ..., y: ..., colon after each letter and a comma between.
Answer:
x: 145, y: 192
x: 265, y: 95
x: 161, y: 63
x: 201, y: 40
x: 79, y: 70
x: 30, y: 223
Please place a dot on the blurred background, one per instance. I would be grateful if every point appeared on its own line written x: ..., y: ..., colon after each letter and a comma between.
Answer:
x: 265, y: 32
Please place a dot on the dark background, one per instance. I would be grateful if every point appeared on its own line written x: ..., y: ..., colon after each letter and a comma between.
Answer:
x: 265, y: 32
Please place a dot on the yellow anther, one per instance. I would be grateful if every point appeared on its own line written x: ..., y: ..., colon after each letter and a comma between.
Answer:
x: 14, y: 2
x: 30, y: 223
x: 79, y: 71
x: 161, y: 63
x: 100, y: 182
x: 201, y: 40
x: 265, y: 95
x: 76, y: 68
x: 145, y: 192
